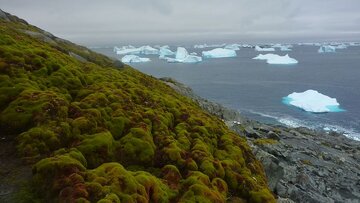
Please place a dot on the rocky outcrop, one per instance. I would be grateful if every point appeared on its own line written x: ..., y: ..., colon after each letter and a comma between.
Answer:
x: 301, y: 164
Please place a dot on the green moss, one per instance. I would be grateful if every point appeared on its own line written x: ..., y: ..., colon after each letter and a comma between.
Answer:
x: 36, y: 141
x: 97, y: 148
x: 78, y: 117
x: 137, y: 147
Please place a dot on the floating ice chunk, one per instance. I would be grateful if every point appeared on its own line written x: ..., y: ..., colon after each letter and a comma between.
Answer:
x: 127, y: 50
x: 134, y: 59
x: 234, y: 47
x: 133, y: 50
x: 327, y: 49
x: 193, y: 53
x: 313, y: 101
x: 181, y: 53
x: 182, y: 56
x: 148, y: 50
x: 247, y: 46
x: 285, y: 48
x: 276, y: 59
x: 165, y: 51
x: 203, y: 46
x: 219, y: 53
x: 341, y: 46
x: 257, y: 48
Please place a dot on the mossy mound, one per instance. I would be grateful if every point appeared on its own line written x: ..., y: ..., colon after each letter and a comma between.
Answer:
x: 97, y: 132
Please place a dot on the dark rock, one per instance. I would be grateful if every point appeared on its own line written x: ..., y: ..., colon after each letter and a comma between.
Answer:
x: 118, y: 64
x: 273, y: 136
x: 250, y: 132
x: 3, y: 15
x: 305, y: 165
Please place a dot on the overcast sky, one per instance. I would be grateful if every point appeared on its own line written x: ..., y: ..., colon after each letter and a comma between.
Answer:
x: 95, y: 22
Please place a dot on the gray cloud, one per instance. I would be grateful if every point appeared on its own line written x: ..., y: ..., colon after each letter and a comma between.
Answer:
x: 121, y: 21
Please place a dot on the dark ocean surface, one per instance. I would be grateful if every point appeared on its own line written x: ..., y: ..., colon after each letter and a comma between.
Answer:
x: 256, y: 89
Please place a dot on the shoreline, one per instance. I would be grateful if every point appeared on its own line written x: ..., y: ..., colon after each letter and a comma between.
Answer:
x: 301, y: 164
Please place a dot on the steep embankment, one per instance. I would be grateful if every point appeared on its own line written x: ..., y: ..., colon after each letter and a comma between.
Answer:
x: 93, y: 129
x: 302, y: 164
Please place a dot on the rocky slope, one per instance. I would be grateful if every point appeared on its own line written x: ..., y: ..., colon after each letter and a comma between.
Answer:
x: 94, y: 130
x: 301, y: 164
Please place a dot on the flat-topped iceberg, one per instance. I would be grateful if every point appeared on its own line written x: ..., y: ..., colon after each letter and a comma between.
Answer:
x: 133, y: 50
x: 182, y: 56
x: 235, y: 47
x: 313, y: 101
x: 134, y: 59
x: 219, y: 53
x: 327, y: 49
x: 276, y: 59
x: 257, y: 48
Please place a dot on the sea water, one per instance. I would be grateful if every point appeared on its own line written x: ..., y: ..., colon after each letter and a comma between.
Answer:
x: 256, y: 89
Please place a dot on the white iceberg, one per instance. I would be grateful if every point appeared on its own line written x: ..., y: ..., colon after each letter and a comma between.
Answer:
x: 327, y: 49
x: 133, y: 50
x: 235, y: 47
x: 127, y: 50
x: 182, y: 56
x: 165, y: 51
x: 203, y: 46
x: 276, y: 59
x: 219, y: 53
x: 313, y: 101
x: 341, y: 46
x: 257, y: 48
x: 285, y: 48
x: 247, y: 46
x: 134, y: 59
x: 147, y: 50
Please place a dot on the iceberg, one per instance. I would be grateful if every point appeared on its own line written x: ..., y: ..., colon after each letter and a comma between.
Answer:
x: 165, y: 51
x: 341, y: 46
x: 247, y: 46
x: 147, y: 50
x: 312, y: 101
x: 235, y: 47
x: 285, y: 48
x: 276, y: 59
x: 219, y: 53
x: 327, y: 49
x: 134, y: 59
x: 126, y: 50
x: 203, y: 46
x: 133, y: 50
x: 257, y: 48
x: 182, y: 56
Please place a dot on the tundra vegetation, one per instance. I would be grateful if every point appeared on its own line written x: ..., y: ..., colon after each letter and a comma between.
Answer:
x: 97, y: 131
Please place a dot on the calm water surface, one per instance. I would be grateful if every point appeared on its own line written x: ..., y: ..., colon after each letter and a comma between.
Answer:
x: 256, y: 88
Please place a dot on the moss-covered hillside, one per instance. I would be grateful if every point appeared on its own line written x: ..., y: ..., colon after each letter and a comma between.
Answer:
x: 97, y: 131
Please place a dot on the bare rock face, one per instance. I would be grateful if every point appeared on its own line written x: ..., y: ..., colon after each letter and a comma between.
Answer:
x: 306, y: 165
x: 3, y: 15
x: 302, y: 165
